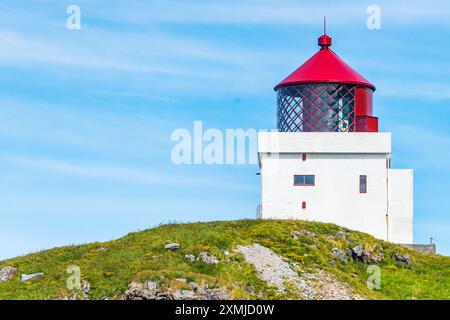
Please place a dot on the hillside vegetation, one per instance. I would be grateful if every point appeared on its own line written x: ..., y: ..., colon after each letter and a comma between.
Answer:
x: 313, y: 248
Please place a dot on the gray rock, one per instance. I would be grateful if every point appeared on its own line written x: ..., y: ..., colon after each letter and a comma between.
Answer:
x: 216, y: 294
x: 172, y: 246
x: 184, y: 295
x: 312, y: 246
x: 34, y: 276
x: 308, y: 233
x: 201, y: 291
x: 296, y: 234
x: 7, y: 273
x: 341, y: 235
x: 183, y: 280
x: 164, y: 296
x: 85, y: 287
x: 151, y: 286
x: 404, y: 259
x: 375, y: 257
x: 189, y: 257
x: 134, y: 291
x: 339, y: 254
x: 205, y: 293
x: 193, y: 286
x: 151, y: 291
x: 358, y: 253
x: 142, y: 291
x: 205, y: 258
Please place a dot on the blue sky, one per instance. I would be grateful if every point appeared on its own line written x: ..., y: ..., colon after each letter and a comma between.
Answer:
x: 86, y: 115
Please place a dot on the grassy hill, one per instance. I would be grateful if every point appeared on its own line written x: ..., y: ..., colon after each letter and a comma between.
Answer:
x: 110, y: 267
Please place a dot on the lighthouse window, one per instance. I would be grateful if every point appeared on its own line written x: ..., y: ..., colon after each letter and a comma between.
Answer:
x: 362, y: 184
x: 316, y: 107
x: 304, y: 180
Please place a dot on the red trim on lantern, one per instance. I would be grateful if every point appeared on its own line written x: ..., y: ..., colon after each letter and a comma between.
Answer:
x: 366, y: 124
x: 363, y: 102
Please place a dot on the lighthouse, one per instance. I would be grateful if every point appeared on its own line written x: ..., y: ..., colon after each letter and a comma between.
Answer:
x: 327, y: 161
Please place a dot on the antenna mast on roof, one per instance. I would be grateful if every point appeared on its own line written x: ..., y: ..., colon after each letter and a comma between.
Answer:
x: 324, y: 25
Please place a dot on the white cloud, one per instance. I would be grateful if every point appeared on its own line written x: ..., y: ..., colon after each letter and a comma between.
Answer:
x: 125, y: 174
x: 431, y: 90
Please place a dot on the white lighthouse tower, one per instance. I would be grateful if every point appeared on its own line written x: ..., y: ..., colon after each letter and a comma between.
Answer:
x: 328, y: 162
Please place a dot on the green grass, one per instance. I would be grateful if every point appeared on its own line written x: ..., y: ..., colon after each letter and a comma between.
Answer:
x: 140, y: 256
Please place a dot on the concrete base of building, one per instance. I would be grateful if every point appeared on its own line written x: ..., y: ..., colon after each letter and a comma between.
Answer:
x: 424, y: 248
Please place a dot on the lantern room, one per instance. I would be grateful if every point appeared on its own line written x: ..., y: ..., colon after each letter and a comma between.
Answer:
x: 325, y: 95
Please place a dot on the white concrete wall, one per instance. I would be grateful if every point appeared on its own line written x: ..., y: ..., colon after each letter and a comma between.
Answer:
x: 337, y: 160
x: 400, y: 190
x: 335, y: 198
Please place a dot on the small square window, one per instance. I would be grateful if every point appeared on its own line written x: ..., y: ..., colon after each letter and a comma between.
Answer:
x: 363, y: 184
x: 304, y: 180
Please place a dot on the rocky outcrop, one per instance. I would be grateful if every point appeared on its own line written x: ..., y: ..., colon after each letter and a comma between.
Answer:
x: 79, y: 294
x: 172, y: 246
x: 212, y: 294
x: 329, y: 288
x: 189, y: 257
x: 151, y: 290
x: 296, y: 234
x: 403, y: 259
x: 341, y: 235
x: 7, y: 273
x: 85, y: 288
x: 208, y: 259
x: 366, y: 256
x: 184, y: 295
x: 145, y: 291
x: 341, y: 255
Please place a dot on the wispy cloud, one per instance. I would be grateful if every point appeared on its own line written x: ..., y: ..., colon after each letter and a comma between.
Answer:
x: 32, y: 49
x: 124, y: 174
x: 431, y: 90
x: 189, y: 60
x: 86, y: 129
x: 124, y: 56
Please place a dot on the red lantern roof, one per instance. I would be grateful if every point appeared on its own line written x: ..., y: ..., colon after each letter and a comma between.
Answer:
x: 325, y: 66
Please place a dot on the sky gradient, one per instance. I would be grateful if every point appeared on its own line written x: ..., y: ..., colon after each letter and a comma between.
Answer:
x: 86, y: 115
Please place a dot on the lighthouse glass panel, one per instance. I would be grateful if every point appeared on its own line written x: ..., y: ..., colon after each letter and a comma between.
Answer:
x: 316, y: 108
